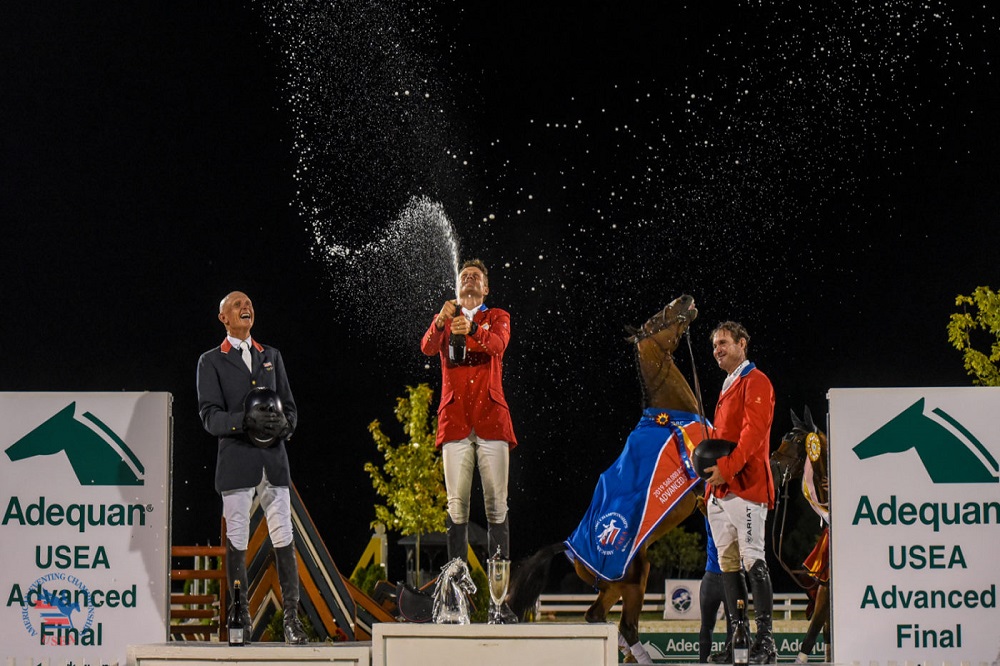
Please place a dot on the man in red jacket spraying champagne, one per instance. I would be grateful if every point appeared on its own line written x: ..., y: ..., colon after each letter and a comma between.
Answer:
x: 474, y: 426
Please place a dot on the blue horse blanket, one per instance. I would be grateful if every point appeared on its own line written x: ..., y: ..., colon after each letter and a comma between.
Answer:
x: 651, y: 475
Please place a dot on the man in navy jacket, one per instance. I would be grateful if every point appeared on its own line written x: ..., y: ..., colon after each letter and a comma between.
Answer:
x: 226, y: 374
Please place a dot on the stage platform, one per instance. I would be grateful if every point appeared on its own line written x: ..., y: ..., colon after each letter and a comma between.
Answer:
x: 398, y: 644
x: 536, y: 644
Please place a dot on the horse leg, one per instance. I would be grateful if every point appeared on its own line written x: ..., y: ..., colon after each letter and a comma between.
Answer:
x: 633, y: 584
x: 608, y: 595
x: 633, y: 595
x: 820, y: 617
x: 606, y: 598
x: 825, y: 592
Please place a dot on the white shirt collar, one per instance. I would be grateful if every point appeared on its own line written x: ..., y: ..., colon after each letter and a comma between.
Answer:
x: 469, y: 314
x: 734, y: 375
x: 236, y: 342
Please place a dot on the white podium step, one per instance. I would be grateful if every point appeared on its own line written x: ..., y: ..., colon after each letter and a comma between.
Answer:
x: 395, y: 644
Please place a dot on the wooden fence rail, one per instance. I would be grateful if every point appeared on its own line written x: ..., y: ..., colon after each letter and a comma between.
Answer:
x: 191, y: 610
x: 786, y: 605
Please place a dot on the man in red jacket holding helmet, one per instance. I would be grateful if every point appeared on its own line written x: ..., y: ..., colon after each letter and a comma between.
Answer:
x: 741, y: 488
x: 474, y: 425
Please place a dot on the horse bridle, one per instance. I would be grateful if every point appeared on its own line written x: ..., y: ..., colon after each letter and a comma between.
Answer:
x: 640, y: 334
x: 785, y: 463
x: 637, y: 335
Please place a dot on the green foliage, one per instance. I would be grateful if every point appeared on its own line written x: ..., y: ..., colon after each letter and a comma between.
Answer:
x: 412, y: 478
x: 679, y: 554
x: 481, y: 599
x: 368, y: 578
x: 983, y: 366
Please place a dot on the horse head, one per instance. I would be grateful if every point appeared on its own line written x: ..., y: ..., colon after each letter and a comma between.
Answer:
x: 456, y: 574
x: 805, y: 440
x: 668, y: 325
x: 948, y: 451
x: 98, y: 456
x: 655, y: 342
x: 451, y: 594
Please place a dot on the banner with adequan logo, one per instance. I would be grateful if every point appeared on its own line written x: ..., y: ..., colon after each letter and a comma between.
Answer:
x: 681, y: 647
x: 84, y: 528
x: 915, y: 524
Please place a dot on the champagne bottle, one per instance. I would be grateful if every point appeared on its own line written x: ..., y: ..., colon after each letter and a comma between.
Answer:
x: 456, y: 344
x: 237, y: 629
x: 456, y: 349
x: 741, y: 640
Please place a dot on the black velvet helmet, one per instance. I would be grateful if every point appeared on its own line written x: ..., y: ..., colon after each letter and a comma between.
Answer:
x: 260, y: 406
x: 708, y: 452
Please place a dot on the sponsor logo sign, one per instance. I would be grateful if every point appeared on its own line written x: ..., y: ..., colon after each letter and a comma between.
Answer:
x: 84, y: 524
x: 682, y: 599
x: 915, y: 524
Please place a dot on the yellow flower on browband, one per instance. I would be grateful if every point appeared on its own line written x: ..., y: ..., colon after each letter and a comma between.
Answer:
x: 662, y: 419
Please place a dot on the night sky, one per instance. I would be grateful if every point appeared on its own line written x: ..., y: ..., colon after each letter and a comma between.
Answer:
x: 824, y: 173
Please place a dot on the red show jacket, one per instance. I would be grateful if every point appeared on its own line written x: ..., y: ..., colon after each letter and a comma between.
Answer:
x: 472, y: 393
x: 744, y: 416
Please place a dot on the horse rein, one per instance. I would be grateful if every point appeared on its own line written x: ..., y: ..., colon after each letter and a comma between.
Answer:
x: 697, y: 386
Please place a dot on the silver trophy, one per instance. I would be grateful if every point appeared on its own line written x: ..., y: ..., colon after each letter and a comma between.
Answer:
x: 498, y: 572
x: 451, y: 594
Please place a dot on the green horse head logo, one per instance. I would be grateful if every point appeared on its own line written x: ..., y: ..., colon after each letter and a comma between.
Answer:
x: 99, y: 457
x: 949, y: 452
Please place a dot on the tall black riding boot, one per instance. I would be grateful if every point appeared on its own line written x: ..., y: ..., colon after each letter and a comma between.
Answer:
x: 288, y: 577
x: 458, y: 540
x: 734, y: 584
x: 498, y: 538
x: 763, y: 650
x: 236, y: 570
x: 498, y: 541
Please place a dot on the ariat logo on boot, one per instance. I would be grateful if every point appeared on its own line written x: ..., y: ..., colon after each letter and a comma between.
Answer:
x: 948, y: 451
x: 98, y: 456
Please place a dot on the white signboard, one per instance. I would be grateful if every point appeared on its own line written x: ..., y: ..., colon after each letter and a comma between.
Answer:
x: 84, y: 528
x: 915, y: 524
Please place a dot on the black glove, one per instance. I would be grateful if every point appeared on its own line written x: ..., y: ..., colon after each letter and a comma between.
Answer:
x: 274, y: 424
x: 265, y: 427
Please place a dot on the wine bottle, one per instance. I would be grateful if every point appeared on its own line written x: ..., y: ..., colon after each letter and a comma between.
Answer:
x: 237, y: 629
x: 741, y: 640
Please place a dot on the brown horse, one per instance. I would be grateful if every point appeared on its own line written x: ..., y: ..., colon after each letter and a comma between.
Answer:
x: 664, y: 387
x: 807, y: 442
